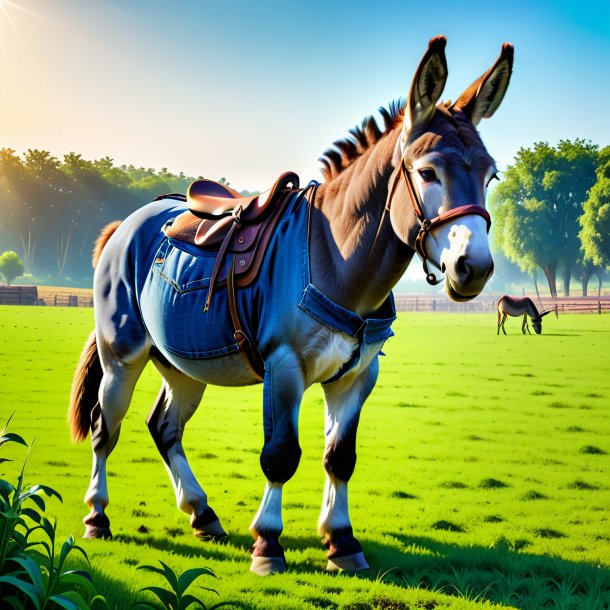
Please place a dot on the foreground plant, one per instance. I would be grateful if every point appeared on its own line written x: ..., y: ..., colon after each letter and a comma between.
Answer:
x: 28, y: 577
x: 177, y: 598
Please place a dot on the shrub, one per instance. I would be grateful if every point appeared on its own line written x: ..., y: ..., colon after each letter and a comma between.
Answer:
x: 29, y: 577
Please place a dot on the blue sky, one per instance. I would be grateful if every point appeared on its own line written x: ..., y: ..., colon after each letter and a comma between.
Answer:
x: 248, y: 90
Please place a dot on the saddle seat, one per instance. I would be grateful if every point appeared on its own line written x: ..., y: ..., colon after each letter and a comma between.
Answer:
x: 221, y: 219
x: 213, y: 208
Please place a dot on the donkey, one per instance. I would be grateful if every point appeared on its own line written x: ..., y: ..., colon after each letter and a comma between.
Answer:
x: 516, y: 306
x: 319, y: 312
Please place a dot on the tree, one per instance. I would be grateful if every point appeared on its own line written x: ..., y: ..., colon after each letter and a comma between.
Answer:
x: 537, y: 206
x: 11, y: 266
x: 595, y: 220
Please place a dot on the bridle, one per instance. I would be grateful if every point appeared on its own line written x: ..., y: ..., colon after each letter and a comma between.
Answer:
x: 427, y: 224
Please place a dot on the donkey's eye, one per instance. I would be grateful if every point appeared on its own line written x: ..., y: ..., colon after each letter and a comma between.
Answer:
x: 428, y: 175
x: 494, y: 177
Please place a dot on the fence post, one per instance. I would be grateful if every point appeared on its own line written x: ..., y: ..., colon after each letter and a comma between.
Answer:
x: 599, y: 307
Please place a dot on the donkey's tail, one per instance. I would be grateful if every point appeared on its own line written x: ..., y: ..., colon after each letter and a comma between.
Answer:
x: 102, y: 240
x: 85, y: 387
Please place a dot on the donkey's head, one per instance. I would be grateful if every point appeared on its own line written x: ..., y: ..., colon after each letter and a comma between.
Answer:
x: 537, y: 321
x: 443, y: 170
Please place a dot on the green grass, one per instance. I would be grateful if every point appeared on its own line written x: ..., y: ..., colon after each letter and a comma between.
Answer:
x: 482, y: 470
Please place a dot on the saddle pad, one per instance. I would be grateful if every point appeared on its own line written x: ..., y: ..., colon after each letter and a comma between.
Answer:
x: 173, y: 298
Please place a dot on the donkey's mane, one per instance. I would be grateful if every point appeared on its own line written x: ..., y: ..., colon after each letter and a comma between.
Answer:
x: 344, y: 152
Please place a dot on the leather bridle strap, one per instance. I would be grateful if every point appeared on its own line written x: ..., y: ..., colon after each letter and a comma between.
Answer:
x: 428, y: 224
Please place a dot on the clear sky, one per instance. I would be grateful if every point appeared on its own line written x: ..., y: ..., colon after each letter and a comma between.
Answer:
x: 249, y: 89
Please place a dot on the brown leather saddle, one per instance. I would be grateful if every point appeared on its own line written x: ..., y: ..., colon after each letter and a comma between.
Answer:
x: 221, y: 219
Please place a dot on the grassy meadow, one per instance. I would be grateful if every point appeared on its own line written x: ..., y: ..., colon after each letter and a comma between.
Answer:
x: 483, y: 472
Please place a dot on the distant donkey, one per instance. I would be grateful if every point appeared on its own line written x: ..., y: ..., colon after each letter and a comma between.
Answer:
x: 516, y: 306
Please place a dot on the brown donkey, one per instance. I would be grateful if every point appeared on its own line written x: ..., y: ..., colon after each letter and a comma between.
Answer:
x: 319, y: 311
x: 519, y: 306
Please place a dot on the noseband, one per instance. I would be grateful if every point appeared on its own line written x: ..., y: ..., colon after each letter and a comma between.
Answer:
x: 428, y: 224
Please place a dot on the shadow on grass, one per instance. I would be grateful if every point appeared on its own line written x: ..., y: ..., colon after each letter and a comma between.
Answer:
x: 504, y: 574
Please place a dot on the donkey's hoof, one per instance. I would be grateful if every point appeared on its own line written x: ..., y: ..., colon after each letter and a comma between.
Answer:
x: 93, y: 531
x: 210, y: 531
x: 97, y: 525
x: 347, y: 563
x: 263, y: 566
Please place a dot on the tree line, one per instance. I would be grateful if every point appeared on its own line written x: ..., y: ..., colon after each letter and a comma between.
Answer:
x: 52, y: 210
x: 551, y: 212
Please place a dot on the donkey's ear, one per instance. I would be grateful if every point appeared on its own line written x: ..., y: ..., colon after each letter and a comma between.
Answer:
x: 427, y: 86
x: 545, y: 313
x: 483, y: 97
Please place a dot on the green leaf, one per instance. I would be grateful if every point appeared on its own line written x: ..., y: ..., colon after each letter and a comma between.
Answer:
x: 47, y: 526
x: 33, y: 571
x: 188, y: 600
x: 6, y: 489
x: 11, y: 437
x: 82, y: 551
x: 66, y: 547
x: 36, y: 499
x: 149, y: 568
x: 78, y: 578
x: 98, y: 598
x: 186, y: 578
x: 23, y: 586
x: 171, y: 578
x: 70, y: 600
x: 32, y: 514
x: 49, y: 491
x: 167, y: 598
x: 8, y: 421
x: 43, y: 544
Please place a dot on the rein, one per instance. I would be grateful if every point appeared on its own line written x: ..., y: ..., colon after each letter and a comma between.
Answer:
x: 427, y: 224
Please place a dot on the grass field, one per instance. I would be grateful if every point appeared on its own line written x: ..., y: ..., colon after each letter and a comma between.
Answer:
x: 483, y: 469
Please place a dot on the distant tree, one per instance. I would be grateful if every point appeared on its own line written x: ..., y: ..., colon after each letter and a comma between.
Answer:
x: 537, y: 206
x: 11, y: 266
x: 595, y: 221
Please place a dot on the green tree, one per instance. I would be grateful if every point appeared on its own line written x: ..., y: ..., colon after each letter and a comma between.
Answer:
x: 11, y: 266
x: 538, y: 204
x: 595, y: 220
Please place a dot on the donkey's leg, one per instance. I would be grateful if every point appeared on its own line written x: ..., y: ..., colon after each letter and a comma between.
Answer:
x: 116, y: 389
x: 503, y: 322
x: 282, y: 393
x: 343, y: 405
x: 178, y: 399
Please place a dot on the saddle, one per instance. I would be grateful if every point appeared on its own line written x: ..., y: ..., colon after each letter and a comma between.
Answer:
x: 221, y: 219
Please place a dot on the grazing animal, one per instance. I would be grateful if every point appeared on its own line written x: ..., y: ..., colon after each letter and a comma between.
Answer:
x: 517, y: 306
x: 318, y: 310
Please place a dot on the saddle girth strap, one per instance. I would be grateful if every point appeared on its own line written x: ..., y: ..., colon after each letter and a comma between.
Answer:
x: 249, y: 352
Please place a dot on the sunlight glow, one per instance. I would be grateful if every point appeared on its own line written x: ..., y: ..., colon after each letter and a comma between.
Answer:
x: 5, y: 5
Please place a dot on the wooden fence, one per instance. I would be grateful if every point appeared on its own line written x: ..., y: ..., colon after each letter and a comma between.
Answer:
x: 18, y: 295
x: 430, y: 304
x: 83, y: 297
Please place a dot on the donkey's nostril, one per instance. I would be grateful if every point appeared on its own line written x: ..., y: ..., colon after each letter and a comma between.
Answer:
x: 461, y: 267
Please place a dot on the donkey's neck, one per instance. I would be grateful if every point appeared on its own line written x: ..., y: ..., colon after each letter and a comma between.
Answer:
x: 356, y: 258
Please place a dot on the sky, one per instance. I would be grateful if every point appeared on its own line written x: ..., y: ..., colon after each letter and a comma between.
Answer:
x: 247, y: 90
